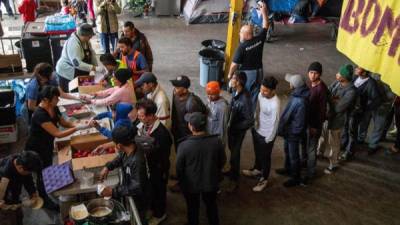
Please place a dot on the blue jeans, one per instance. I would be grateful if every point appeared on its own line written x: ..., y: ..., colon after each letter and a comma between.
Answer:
x: 378, y: 117
x: 7, y: 6
x: 253, y: 84
x: 292, y: 158
x: 106, y: 39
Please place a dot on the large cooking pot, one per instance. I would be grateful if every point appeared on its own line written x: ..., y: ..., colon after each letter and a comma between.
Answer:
x: 100, y: 210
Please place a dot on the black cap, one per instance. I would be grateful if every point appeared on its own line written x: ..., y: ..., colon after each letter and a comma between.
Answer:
x: 196, y: 119
x: 181, y: 81
x: 146, y: 77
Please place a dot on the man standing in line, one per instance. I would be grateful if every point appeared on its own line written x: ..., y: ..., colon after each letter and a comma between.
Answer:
x: 264, y: 132
x: 343, y: 95
x: 317, y: 111
x: 240, y: 120
x: 199, y: 169
x: 292, y: 127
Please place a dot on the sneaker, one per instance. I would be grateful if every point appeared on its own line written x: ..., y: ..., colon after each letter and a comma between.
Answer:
x: 282, y: 171
x: 291, y: 183
x: 330, y: 170
x: 251, y: 173
x: 393, y: 149
x: 156, y: 220
x: 262, y: 184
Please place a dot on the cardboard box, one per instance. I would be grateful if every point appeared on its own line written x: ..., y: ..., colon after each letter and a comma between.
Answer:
x: 85, y: 142
x: 8, y: 133
x: 77, y: 110
x: 84, y: 85
x: 10, y: 65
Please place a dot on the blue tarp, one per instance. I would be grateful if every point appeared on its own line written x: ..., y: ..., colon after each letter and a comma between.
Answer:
x: 282, y: 6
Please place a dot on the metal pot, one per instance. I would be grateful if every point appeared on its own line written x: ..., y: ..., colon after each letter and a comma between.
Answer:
x: 100, y: 204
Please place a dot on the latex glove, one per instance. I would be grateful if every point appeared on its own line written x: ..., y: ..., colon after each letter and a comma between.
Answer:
x: 82, y: 126
x: 92, y: 73
x: 99, y: 69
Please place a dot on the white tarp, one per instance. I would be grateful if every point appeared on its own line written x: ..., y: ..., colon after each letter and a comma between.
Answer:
x: 206, y: 11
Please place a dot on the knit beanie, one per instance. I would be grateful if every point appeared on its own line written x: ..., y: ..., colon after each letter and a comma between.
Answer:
x: 346, y: 71
x: 315, y: 66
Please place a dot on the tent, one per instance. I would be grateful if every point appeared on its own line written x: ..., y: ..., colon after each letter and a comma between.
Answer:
x: 206, y: 11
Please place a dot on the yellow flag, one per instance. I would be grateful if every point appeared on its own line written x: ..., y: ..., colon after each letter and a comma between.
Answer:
x: 369, y: 34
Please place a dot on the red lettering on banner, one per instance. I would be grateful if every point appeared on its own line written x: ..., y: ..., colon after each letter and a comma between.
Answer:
x: 377, y: 14
x: 349, y: 13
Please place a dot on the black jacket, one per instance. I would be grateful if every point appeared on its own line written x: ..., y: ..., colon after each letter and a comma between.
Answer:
x: 199, y: 163
x: 192, y: 104
x: 369, y: 95
x: 241, y: 112
x: 158, y: 155
x: 16, y: 182
x: 135, y: 176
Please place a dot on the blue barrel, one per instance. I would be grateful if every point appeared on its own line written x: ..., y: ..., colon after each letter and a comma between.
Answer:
x: 211, y: 65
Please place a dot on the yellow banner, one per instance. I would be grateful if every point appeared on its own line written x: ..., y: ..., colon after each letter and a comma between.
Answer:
x: 369, y: 34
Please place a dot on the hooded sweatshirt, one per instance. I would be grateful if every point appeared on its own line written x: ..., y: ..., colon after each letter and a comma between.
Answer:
x: 122, y: 111
x: 293, y: 122
x: 28, y: 10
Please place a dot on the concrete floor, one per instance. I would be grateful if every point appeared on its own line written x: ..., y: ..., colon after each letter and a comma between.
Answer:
x: 364, y: 191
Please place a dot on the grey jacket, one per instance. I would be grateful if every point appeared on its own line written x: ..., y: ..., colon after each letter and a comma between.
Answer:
x: 218, y: 114
x: 71, y: 58
x: 341, y: 104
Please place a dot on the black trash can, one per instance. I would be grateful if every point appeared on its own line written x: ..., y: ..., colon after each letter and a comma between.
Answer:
x: 217, y: 44
x: 211, y: 65
x: 57, y: 43
x: 36, y: 49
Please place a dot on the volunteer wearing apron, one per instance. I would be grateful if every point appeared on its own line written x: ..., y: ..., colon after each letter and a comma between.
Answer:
x: 248, y: 56
x: 77, y: 58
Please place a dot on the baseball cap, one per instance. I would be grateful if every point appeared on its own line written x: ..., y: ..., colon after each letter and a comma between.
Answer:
x: 146, y: 77
x: 196, y: 119
x: 181, y: 81
x: 213, y: 88
x: 296, y: 80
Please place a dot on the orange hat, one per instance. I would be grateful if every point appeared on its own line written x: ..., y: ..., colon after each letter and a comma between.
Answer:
x: 213, y: 88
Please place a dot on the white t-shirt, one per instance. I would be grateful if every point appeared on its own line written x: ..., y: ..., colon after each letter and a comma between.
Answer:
x: 269, y: 117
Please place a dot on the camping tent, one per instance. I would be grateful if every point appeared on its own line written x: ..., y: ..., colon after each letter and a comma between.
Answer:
x: 206, y: 11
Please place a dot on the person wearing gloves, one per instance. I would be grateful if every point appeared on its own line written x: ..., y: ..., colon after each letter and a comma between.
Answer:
x: 122, y: 92
x: 292, y: 127
x: 119, y: 113
x: 15, y: 173
x: 77, y: 57
x: 131, y: 160
x: 107, y: 23
x: 44, y: 128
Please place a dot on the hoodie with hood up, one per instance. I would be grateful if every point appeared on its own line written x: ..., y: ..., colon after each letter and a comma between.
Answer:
x: 122, y: 111
x: 293, y: 122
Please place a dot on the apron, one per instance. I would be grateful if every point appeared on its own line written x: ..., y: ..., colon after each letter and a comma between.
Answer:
x: 86, y: 59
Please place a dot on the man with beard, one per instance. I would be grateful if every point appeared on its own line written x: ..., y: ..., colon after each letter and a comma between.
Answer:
x: 153, y: 91
x: 133, y: 59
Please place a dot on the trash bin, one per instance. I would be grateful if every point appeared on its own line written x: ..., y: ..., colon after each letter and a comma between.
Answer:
x: 214, y: 44
x: 211, y: 65
x: 57, y: 43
